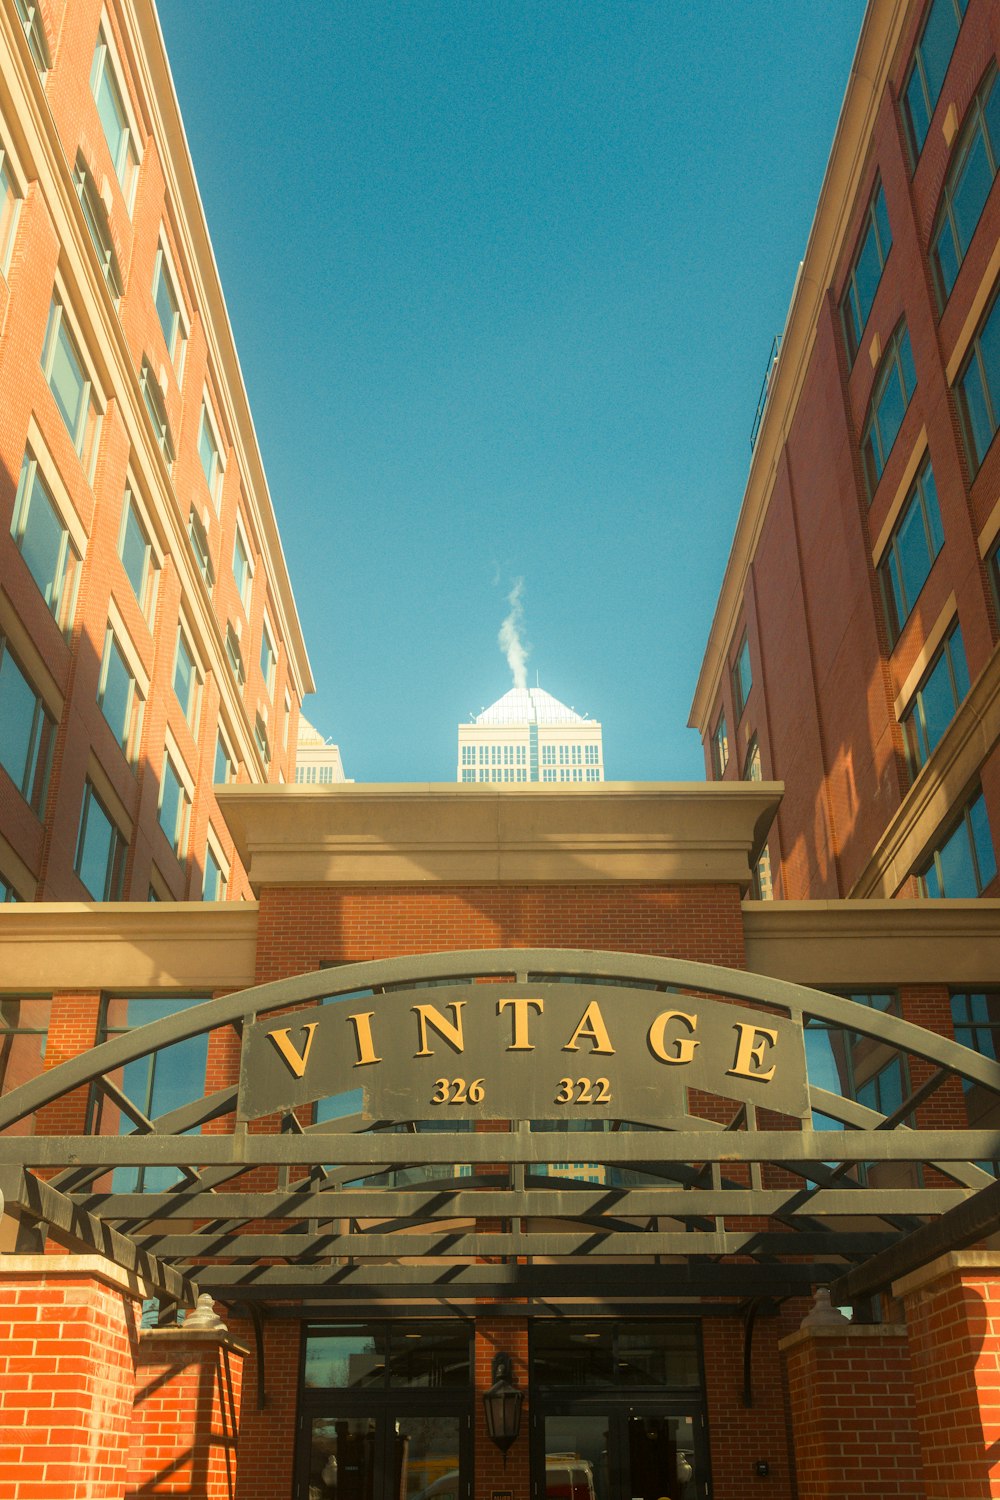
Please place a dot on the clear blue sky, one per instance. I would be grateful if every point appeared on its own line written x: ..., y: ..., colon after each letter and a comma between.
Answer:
x: 504, y: 275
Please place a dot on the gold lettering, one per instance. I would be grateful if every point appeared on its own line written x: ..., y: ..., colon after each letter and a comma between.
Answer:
x: 591, y: 1026
x: 685, y: 1045
x: 750, y: 1046
x: 520, y: 1004
x: 362, y: 1024
x: 451, y: 1031
x: 283, y: 1041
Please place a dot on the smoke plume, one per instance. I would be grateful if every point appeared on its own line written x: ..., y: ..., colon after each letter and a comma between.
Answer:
x: 511, y: 643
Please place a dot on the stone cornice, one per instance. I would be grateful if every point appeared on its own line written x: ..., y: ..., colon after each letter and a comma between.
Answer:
x: 470, y: 834
x: 194, y: 947
x: 874, y: 942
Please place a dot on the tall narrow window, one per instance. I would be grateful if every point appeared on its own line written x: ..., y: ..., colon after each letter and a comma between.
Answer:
x: 935, y: 703
x: 967, y: 186
x: 167, y: 304
x: 30, y: 16
x: 751, y: 763
x: 978, y: 388
x: 742, y: 677
x: 27, y: 731
x: 242, y: 569
x: 224, y: 770
x: 153, y: 397
x: 720, y: 746
x: 96, y: 218
x: 66, y: 374
x: 187, y: 678
x: 210, y: 455
x: 119, y: 697
x: 915, y: 542
x: 268, y: 659
x: 964, y: 863
x: 43, y: 539
x: 930, y: 64
x: 136, y: 553
x: 866, y: 271
x: 10, y: 202
x: 216, y: 880
x: 895, y: 385
x: 118, y: 133
x: 235, y: 655
x: 199, y: 546
x: 100, y: 849
x: 175, y: 805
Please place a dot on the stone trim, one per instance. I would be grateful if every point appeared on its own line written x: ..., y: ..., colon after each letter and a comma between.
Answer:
x: 43, y: 1268
x: 849, y: 1331
x: 973, y: 1263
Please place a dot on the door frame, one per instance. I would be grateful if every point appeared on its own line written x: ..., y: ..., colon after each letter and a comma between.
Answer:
x: 384, y: 1407
x: 618, y: 1405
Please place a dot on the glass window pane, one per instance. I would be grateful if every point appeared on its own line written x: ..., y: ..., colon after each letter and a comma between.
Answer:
x: 66, y: 379
x: 937, y: 45
x: 167, y: 308
x: 135, y: 552
x: 914, y: 557
x: 432, y: 1356
x: 351, y: 1356
x: 916, y: 108
x: 983, y: 841
x: 110, y: 109
x: 171, y: 802
x: 116, y: 698
x: 958, y: 876
x: 342, y: 1458
x: 184, y: 676
x: 20, y: 721
x: 977, y: 411
x: 97, y: 841
x: 868, y: 273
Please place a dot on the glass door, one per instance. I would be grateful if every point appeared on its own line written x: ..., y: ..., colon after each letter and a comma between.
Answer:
x: 386, y: 1455
x: 616, y: 1452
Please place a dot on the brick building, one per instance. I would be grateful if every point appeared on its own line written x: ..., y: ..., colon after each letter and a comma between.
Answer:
x: 854, y: 649
x: 368, y: 1151
x: 149, y: 642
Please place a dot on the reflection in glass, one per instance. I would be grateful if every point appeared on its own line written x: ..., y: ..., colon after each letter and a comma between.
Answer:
x: 342, y: 1458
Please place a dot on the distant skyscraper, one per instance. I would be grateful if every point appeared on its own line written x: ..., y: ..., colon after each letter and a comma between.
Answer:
x: 317, y: 760
x: 528, y: 735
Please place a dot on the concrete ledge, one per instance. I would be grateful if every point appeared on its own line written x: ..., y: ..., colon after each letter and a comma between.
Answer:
x: 78, y: 1267
x: 850, y: 1331
x: 176, y: 1339
x: 956, y: 1262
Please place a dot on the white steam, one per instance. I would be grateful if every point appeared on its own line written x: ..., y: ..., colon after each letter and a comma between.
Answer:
x: 511, y: 643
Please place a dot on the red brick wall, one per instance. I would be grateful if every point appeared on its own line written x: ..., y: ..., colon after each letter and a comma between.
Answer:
x: 955, y: 1346
x: 740, y: 1435
x: 67, y: 1371
x: 852, y: 1416
x: 186, y: 1417
x: 496, y: 1336
x: 301, y: 928
x: 267, y: 1438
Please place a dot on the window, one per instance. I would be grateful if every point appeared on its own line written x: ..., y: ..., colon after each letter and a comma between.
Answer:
x: 593, y: 774
x: 978, y: 388
x: 198, y: 537
x: 153, y: 397
x: 30, y: 17
x: 27, y: 731
x: 100, y: 849
x: 235, y: 655
x: 591, y: 755
x: 268, y: 659
x: 751, y: 762
x: 967, y: 186
x: 856, y: 1066
x: 114, y: 118
x: 96, y: 218
x: 964, y: 863
x: 242, y: 569
x: 224, y: 770
x: 742, y: 677
x: 119, y: 697
x: 720, y: 746
x: 69, y: 383
x: 44, y: 542
x: 976, y: 1023
x: 468, y: 755
x: 762, y: 885
x: 168, y: 306
x: 915, y: 542
x: 993, y: 568
x: 548, y: 755
x: 209, y: 453
x: 175, y: 804
x: 136, y: 553
x: 216, y: 879
x: 866, y: 271
x: 260, y: 735
x: 186, y: 677
x: 941, y: 690
x: 10, y: 203
x: 466, y: 776
x: 930, y: 64
x: 24, y: 1027
x: 893, y: 389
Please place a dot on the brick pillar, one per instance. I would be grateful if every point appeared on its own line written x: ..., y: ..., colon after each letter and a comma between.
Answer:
x: 67, y: 1376
x: 187, y: 1415
x: 267, y: 1438
x: 851, y: 1406
x: 741, y: 1435
x: 952, y: 1307
x: 500, y: 1336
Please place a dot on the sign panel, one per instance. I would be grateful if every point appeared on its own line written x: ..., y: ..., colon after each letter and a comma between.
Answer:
x: 523, y: 1052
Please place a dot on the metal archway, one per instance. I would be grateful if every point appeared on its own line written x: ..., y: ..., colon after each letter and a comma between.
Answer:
x: 704, y: 1195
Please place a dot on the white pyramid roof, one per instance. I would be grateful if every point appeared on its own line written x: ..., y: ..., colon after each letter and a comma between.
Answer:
x: 528, y: 706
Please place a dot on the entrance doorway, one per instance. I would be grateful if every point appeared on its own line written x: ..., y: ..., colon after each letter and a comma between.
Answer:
x: 617, y: 1452
x: 387, y: 1455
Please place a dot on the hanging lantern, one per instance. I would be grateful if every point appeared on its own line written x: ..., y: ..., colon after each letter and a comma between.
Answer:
x: 502, y: 1405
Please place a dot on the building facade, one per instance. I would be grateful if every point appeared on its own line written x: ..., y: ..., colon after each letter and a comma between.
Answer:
x: 149, y: 642
x: 527, y: 735
x: 505, y: 1098
x: 317, y: 760
x: 854, y: 649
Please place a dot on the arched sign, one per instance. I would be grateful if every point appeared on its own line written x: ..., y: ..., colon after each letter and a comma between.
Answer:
x: 524, y: 1051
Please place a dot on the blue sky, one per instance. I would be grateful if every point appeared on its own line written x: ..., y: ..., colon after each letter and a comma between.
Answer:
x: 503, y: 276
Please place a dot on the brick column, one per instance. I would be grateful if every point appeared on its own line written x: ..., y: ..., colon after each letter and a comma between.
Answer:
x: 187, y: 1414
x: 851, y: 1410
x: 500, y: 1336
x: 952, y: 1311
x: 67, y: 1376
x: 267, y: 1438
